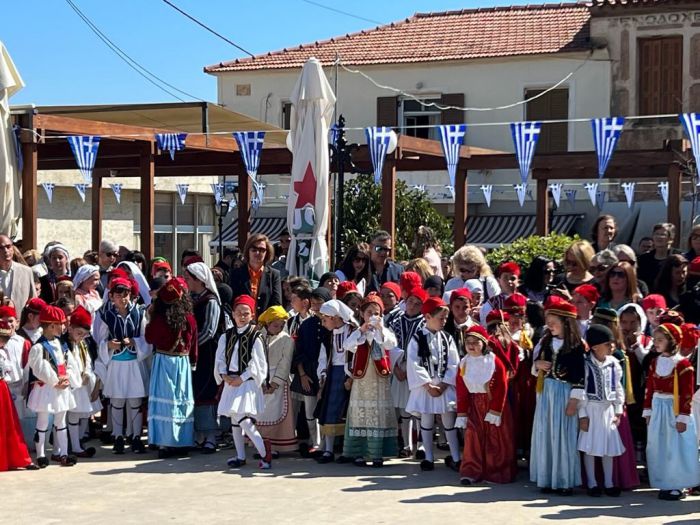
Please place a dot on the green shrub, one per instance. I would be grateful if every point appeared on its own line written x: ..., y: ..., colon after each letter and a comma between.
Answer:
x: 524, y: 250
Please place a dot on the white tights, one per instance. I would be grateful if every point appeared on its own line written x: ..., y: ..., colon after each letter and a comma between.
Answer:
x: 309, y: 408
x: 426, y: 429
x: 589, y: 463
x: 405, y: 420
x: 134, y: 416
x: 247, y: 426
x: 42, y: 427
x: 75, y: 430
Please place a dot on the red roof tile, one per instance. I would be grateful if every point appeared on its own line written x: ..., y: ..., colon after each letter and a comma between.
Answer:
x: 432, y: 37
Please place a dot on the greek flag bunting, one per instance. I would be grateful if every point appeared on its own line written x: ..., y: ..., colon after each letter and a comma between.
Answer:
x: 230, y: 187
x: 333, y: 133
x: 629, y: 192
x: 171, y: 142
x: 691, y: 123
x: 600, y: 199
x: 218, y: 189
x: 525, y: 137
x: 85, y: 152
x: 81, y: 189
x: 487, y: 190
x: 450, y: 191
x: 556, y: 192
x: 182, y: 191
x: 419, y: 188
x: 606, y: 132
x: 117, y: 189
x: 521, y: 191
x: 592, y: 189
x: 378, y: 140
x: 250, y: 144
x: 257, y: 200
x: 48, y: 188
x: 571, y: 196
x: 663, y: 190
x: 452, y: 138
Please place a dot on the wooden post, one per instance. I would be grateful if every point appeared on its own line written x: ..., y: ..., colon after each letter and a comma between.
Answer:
x: 388, y: 218
x: 674, y: 200
x: 243, y: 210
x: 147, y: 173
x: 542, y: 206
x: 97, y: 206
x: 460, y: 224
x: 30, y: 207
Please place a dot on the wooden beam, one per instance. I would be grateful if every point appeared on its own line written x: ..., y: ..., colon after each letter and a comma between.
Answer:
x: 460, y: 224
x: 673, y: 212
x: 147, y: 173
x: 388, y: 212
x: 97, y: 207
x: 30, y: 208
x: 244, y: 193
x: 542, y: 206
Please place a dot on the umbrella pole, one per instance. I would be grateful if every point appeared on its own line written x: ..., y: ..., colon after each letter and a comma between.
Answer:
x: 340, y: 153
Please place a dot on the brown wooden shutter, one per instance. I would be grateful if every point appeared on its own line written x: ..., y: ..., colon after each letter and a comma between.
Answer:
x: 452, y: 116
x: 388, y: 111
x: 660, y: 75
x: 552, y: 106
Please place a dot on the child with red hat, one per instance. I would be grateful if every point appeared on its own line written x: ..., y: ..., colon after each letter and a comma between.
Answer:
x: 371, y: 429
x: 460, y: 303
x: 53, y: 373
x: 508, y: 277
x: 241, y: 366
x: 391, y: 295
x: 405, y: 326
x: 432, y: 362
x: 654, y: 305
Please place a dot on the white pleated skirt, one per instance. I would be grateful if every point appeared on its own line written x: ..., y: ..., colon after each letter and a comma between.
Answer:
x: 126, y: 380
x: 400, y: 393
x: 45, y: 398
x: 83, y: 405
x: 241, y: 401
x: 419, y: 402
x: 602, y: 437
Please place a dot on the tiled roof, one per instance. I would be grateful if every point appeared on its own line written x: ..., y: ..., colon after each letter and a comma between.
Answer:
x: 637, y: 3
x: 449, y: 35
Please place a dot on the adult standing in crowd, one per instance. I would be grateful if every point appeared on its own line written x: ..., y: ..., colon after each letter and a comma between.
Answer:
x: 383, y: 269
x: 469, y: 263
x: 693, y: 243
x: 59, y: 260
x: 538, y: 277
x: 256, y: 277
x: 604, y: 232
x: 426, y: 246
x: 356, y: 267
x: 577, y: 260
x: 107, y: 254
x: 16, y: 280
x: 649, y: 264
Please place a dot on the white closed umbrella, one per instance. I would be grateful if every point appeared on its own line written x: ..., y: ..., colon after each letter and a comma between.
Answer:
x: 307, y: 212
x: 10, y: 178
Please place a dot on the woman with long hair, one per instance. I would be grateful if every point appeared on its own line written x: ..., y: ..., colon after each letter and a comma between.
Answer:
x: 577, y: 260
x: 538, y: 276
x: 672, y: 279
x: 356, y: 267
x: 619, y: 286
x: 693, y: 243
x: 603, y: 234
x: 469, y: 263
x: 426, y: 246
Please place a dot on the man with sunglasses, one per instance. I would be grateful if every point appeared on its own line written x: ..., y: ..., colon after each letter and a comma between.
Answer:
x: 107, y: 254
x: 383, y: 269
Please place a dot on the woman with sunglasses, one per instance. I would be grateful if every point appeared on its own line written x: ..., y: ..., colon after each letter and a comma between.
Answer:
x: 469, y: 263
x: 538, y: 277
x: 619, y: 287
x: 577, y: 260
x: 355, y: 267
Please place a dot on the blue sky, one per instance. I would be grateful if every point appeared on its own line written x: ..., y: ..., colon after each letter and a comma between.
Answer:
x: 63, y: 62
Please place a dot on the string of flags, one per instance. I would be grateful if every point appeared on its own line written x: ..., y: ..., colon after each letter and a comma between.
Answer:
x: 117, y: 189
x: 171, y: 142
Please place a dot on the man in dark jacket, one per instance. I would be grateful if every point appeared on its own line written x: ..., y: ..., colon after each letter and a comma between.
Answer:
x: 383, y: 269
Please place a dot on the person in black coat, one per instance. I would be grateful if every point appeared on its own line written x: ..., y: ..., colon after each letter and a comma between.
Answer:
x: 256, y: 278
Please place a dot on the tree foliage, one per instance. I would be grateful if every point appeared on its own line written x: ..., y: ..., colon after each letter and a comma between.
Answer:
x: 413, y: 209
x: 524, y: 250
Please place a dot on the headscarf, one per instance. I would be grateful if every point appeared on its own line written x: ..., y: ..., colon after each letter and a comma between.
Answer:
x: 202, y: 272
x: 640, y: 313
x: 140, y: 279
x: 336, y: 308
x: 60, y: 247
x: 274, y: 313
x: 83, y: 273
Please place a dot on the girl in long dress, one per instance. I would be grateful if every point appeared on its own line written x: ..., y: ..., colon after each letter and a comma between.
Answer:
x: 371, y: 431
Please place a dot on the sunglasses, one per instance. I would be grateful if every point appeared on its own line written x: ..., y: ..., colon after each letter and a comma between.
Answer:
x: 113, y: 254
x: 382, y: 249
x: 617, y: 273
x: 599, y: 268
x: 552, y: 271
x: 258, y: 250
x: 467, y: 270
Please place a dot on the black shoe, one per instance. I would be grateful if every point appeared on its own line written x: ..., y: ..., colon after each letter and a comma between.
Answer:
x: 106, y: 438
x: 66, y: 461
x: 565, y: 492
x: 452, y: 464
x: 235, y: 463
x: 118, y: 447
x: 359, y: 462
x: 465, y: 481
x: 137, y: 446
x: 420, y: 454
x: 426, y: 465
x: 208, y: 448
x: 55, y: 458
x: 595, y: 492
x: 546, y: 490
x: 378, y: 463
x: 165, y: 453
x: 42, y: 462
x: 613, y: 492
x: 32, y: 466
x: 304, y: 450
x: 443, y: 446
x: 343, y: 459
x: 326, y: 457
x: 671, y: 495
x: 87, y: 453
x: 695, y: 491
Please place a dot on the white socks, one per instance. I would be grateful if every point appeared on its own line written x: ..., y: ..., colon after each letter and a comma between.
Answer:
x: 328, y: 442
x: 74, y: 426
x: 134, y: 417
x: 252, y: 432
x: 117, y: 411
x: 589, y: 464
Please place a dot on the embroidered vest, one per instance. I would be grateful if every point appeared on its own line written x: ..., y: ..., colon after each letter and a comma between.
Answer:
x: 435, y: 368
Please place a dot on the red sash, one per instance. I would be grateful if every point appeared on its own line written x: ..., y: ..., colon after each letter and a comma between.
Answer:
x: 359, y: 365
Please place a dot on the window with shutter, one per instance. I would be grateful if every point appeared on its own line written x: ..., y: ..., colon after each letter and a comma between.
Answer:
x: 660, y: 75
x: 286, y: 115
x: 554, y: 105
x: 388, y: 111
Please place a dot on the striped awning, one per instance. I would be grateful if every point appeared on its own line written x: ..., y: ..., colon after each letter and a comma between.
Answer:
x: 270, y: 226
x: 493, y: 230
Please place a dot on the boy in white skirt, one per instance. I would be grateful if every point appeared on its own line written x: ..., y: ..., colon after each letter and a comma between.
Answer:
x: 241, y: 365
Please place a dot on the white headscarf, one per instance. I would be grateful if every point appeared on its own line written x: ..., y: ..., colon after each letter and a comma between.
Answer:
x: 138, y: 276
x: 60, y: 247
x: 83, y: 273
x: 640, y: 312
x: 202, y: 272
x: 336, y: 308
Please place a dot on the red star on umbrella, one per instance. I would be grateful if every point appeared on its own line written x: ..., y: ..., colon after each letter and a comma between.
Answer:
x: 306, y: 188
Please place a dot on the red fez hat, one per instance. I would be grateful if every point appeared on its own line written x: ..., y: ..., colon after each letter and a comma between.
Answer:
x: 134, y: 287
x: 431, y: 304
x: 171, y: 291
x: 372, y: 298
x: 589, y: 292
x: 410, y: 280
x: 418, y: 293
x: 557, y: 306
x: 694, y: 266
x: 5, y: 329
x: 515, y: 304
x: 654, y: 300
x: 35, y: 305
x: 461, y: 293
x: 81, y: 318
x: 690, y: 336
x: 672, y: 317
x: 65, y: 279
x: 497, y: 316
x: 120, y: 282
x: 673, y: 331
x: 246, y: 300
x: 52, y: 314
x: 8, y: 311
x: 344, y: 288
x: 116, y: 273
x: 191, y: 260
x: 508, y: 267
x: 479, y: 332
x: 393, y: 288
x: 160, y: 265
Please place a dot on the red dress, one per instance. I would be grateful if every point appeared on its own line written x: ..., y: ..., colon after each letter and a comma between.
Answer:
x: 489, y: 450
x: 13, y: 449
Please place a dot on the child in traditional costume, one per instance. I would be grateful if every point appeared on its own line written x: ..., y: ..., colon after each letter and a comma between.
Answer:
x: 87, y: 400
x: 672, y: 447
x: 432, y: 362
x: 559, y: 366
x: 371, y: 430
x: 335, y: 375
x: 601, y: 409
x: 584, y: 298
x: 276, y: 423
x: 459, y: 320
x: 172, y: 330
x: 482, y: 410
x: 241, y: 366
x: 51, y: 369
x: 391, y: 295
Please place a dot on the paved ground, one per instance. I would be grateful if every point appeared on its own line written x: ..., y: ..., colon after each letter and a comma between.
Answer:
x: 143, y: 489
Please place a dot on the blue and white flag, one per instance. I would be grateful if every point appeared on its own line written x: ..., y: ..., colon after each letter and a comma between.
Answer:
x: 663, y: 190
x: 333, y: 133
x: 521, y: 191
x: 230, y: 187
x: 182, y: 191
x: 592, y: 189
x: 691, y: 122
x: 450, y: 191
x: 171, y: 142
x: 378, y: 140
x: 218, y: 189
x: 48, y: 188
x: 487, y: 190
x: 250, y: 144
x: 81, y: 189
x: 85, y: 152
x: 606, y: 132
x: 451, y: 139
x: 525, y: 137
x: 259, y: 195
x: 629, y: 192
x: 571, y: 196
x: 556, y: 192
x: 117, y: 189
x: 600, y: 199
x: 419, y: 187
